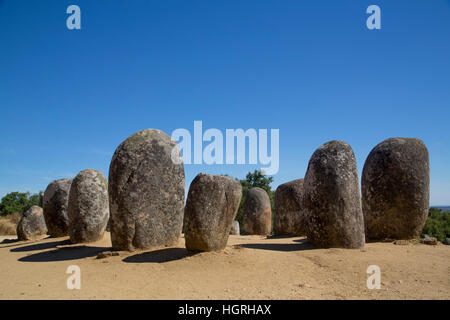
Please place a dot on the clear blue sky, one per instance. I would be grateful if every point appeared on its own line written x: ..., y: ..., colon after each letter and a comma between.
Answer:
x: 311, y: 69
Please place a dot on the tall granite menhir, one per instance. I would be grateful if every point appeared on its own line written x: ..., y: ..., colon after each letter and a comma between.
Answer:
x: 396, y: 189
x: 211, y: 207
x: 332, y: 198
x: 55, y: 203
x: 146, y: 191
x: 88, y: 208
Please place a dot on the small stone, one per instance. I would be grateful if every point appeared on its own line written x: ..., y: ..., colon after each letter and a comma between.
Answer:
x: 289, y: 216
x: 211, y: 207
x: 429, y: 240
x: 56, y: 198
x: 257, y: 213
x: 235, y: 230
x: 31, y: 224
x: 88, y: 207
x: 401, y: 242
x: 447, y: 241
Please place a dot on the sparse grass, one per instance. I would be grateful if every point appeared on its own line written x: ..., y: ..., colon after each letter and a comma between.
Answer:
x: 8, y: 224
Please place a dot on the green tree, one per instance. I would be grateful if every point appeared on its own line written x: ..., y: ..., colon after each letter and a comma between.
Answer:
x: 17, y: 202
x: 438, y: 224
x: 254, y: 179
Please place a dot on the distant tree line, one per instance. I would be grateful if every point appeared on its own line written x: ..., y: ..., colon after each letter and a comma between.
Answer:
x: 18, y: 202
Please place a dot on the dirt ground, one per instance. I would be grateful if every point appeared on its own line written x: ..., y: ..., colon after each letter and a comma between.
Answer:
x: 251, y: 267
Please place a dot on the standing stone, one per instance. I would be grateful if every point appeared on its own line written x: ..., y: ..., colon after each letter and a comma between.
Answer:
x: 235, y: 229
x: 289, y: 217
x: 332, y: 198
x: 41, y: 199
x: 32, y: 224
x: 88, y: 208
x: 396, y: 189
x: 56, y: 198
x: 146, y: 191
x: 211, y: 206
x: 257, y: 213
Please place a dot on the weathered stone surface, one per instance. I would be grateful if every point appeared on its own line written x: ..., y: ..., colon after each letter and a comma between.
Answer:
x: 56, y: 198
x: 396, y: 189
x: 235, y: 229
x: 289, y: 217
x: 257, y: 212
x: 32, y: 224
x: 146, y: 192
x: 88, y: 207
x: 332, y: 198
x: 211, y: 207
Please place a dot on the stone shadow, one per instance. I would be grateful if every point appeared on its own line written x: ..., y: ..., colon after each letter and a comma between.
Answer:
x: 301, y: 245
x: 41, y: 246
x: 65, y: 254
x: 159, y: 256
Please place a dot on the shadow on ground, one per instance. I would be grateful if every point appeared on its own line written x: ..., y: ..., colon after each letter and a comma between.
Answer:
x: 41, y: 246
x: 65, y: 254
x: 300, y: 245
x: 158, y: 256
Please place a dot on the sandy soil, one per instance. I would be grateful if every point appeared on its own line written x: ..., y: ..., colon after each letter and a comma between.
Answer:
x: 251, y: 267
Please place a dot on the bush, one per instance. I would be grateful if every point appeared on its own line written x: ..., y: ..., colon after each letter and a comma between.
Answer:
x: 8, y: 225
x: 438, y: 224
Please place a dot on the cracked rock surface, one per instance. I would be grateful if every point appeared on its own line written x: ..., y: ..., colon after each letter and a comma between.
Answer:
x: 146, y: 192
x: 396, y: 189
x: 88, y: 207
x: 332, y: 198
x: 55, y: 203
x: 32, y: 224
x: 289, y: 217
x: 211, y: 206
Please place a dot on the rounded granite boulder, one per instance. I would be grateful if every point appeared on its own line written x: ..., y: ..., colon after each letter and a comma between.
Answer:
x: 211, y: 206
x: 55, y: 203
x: 88, y: 207
x: 332, y: 198
x: 257, y: 212
x: 31, y: 224
x: 146, y: 191
x: 396, y: 189
x: 289, y: 217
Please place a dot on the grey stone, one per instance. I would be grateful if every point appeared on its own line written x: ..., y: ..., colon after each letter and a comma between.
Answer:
x: 235, y: 229
x: 56, y: 198
x: 31, y: 224
x: 88, y: 207
x: 429, y: 240
x: 211, y: 206
x: 332, y: 198
x: 396, y: 189
x: 289, y: 217
x: 447, y: 241
x: 257, y: 212
x: 146, y: 192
